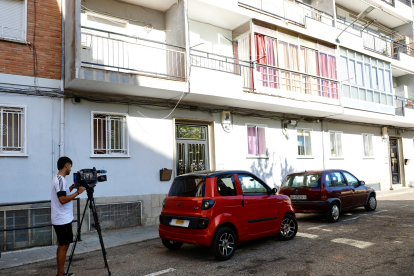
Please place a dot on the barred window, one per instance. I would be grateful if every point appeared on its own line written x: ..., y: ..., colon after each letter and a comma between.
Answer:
x: 12, y: 132
x: 109, y: 134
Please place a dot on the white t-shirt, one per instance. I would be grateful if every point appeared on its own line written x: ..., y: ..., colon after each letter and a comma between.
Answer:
x: 61, y: 213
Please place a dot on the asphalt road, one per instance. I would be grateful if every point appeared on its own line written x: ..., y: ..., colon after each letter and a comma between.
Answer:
x: 361, y: 243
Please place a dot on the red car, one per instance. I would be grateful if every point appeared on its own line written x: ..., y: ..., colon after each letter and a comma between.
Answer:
x: 328, y: 192
x: 219, y: 209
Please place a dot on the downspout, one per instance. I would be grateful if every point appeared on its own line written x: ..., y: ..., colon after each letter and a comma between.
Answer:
x: 323, y: 146
x: 62, y: 82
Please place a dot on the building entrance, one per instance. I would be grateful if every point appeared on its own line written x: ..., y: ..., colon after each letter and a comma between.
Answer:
x: 192, y: 148
x: 395, y: 162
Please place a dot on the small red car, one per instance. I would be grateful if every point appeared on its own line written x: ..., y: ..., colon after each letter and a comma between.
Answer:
x: 328, y: 192
x: 219, y: 209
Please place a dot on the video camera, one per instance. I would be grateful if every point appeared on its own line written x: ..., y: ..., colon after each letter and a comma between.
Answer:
x: 89, y: 177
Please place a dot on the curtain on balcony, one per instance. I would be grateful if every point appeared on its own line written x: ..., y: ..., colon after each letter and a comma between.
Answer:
x: 261, y: 56
x: 271, y: 52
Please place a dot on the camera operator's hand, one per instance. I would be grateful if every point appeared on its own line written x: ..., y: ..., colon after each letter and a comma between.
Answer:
x: 81, y: 189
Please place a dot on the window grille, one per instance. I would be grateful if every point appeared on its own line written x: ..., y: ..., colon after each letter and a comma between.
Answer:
x: 109, y: 134
x: 12, y: 130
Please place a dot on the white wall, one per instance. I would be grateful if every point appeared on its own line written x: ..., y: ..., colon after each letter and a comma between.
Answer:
x: 29, y: 178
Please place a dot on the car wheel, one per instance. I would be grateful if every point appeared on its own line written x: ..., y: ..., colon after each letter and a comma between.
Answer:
x: 223, y: 244
x: 332, y: 214
x: 172, y: 245
x: 288, y: 229
x: 371, y: 204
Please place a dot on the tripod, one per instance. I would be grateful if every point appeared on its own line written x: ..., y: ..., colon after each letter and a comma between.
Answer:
x: 92, y: 208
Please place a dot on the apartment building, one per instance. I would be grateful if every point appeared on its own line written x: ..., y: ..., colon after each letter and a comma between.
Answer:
x: 270, y: 87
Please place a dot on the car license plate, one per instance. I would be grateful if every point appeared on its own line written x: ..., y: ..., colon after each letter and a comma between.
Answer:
x: 180, y: 222
x: 301, y: 197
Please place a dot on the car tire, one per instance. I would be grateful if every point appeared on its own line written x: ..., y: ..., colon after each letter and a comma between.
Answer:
x: 172, y: 245
x: 288, y: 229
x: 332, y: 215
x: 223, y: 244
x: 371, y: 204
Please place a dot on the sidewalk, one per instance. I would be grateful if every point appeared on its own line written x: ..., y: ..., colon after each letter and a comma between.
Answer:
x: 112, y: 238
x: 89, y: 243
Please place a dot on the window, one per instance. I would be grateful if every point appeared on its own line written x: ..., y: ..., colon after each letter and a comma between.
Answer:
x: 352, y: 181
x: 256, y: 139
x: 368, y: 149
x: 304, y: 142
x: 251, y: 185
x: 12, y: 132
x: 226, y: 186
x: 336, y: 144
x: 188, y: 187
x: 338, y: 179
x: 362, y: 73
x: 13, y: 19
x: 302, y: 181
x: 328, y: 181
x: 110, y: 134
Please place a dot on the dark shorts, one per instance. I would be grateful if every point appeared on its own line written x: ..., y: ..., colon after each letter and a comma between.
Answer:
x: 64, y: 233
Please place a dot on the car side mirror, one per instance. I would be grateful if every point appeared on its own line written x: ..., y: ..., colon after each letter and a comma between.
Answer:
x: 273, y: 191
x: 361, y: 183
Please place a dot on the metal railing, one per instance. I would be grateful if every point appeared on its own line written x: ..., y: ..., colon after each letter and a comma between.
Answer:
x: 375, y: 42
x: 29, y: 227
x: 401, y: 104
x: 294, y: 11
x: 217, y: 62
x: 123, y: 53
x: 273, y: 77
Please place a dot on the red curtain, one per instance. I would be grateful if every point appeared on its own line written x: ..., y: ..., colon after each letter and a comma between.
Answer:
x: 261, y: 56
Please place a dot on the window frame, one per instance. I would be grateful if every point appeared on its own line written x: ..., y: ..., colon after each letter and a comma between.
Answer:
x: 336, y: 146
x: 23, y: 38
x: 372, y: 145
x: 268, y: 189
x: 126, y: 136
x: 311, y: 147
x: 23, y: 137
x: 258, y: 155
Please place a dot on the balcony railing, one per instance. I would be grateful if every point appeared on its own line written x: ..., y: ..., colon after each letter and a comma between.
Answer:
x: 294, y: 11
x: 129, y: 54
x: 223, y: 64
x: 376, y: 42
x: 272, y: 77
x: 401, y: 104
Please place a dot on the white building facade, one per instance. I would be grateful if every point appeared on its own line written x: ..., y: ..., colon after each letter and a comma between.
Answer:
x: 263, y: 86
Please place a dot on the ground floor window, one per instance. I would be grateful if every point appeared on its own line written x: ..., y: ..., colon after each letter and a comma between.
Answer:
x: 109, y: 134
x: 12, y: 132
x: 304, y: 142
x: 256, y: 140
x: 335, y: 143
x: 368, y: 148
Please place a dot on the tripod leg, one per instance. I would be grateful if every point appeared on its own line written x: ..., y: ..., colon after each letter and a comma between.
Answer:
x: 98, y: 229
x: 77, y: 234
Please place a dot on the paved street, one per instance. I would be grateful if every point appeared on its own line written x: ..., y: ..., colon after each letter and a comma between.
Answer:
x: 361, y: 243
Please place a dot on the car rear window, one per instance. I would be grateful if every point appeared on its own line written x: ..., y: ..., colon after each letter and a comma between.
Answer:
x: 188, y: 187
x: 302, y: 181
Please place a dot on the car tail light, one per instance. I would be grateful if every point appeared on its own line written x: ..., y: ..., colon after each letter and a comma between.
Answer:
x: 203, y: 223
x: 324, y: 194
x: 207, y: 204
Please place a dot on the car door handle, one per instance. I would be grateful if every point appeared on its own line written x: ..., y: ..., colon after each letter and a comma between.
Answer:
x: 242, y: 203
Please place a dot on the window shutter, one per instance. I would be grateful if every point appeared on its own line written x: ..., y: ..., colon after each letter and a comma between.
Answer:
x: 11, y: 19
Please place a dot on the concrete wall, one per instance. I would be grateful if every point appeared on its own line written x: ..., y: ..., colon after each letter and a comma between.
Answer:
x: 214, y: 39
x: 407, y: 80
x: 29, y: 178
x: 175, y: 25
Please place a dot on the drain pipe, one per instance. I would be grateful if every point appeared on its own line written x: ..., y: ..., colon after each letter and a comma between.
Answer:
x: 323, y: 146
x: 62, y: 82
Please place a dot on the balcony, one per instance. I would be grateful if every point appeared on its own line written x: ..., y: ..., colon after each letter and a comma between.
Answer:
x: 122, y: 48
x: 293, y: 11
x: 128, y: 54
x: 404, y: 106
x: 376, y: 42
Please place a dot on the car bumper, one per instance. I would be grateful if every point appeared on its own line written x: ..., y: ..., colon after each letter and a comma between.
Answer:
x: 310, y: 206
x: 200, y: 237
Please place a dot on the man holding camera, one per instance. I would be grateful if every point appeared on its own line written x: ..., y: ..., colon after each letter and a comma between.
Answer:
x: 62, y: 211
